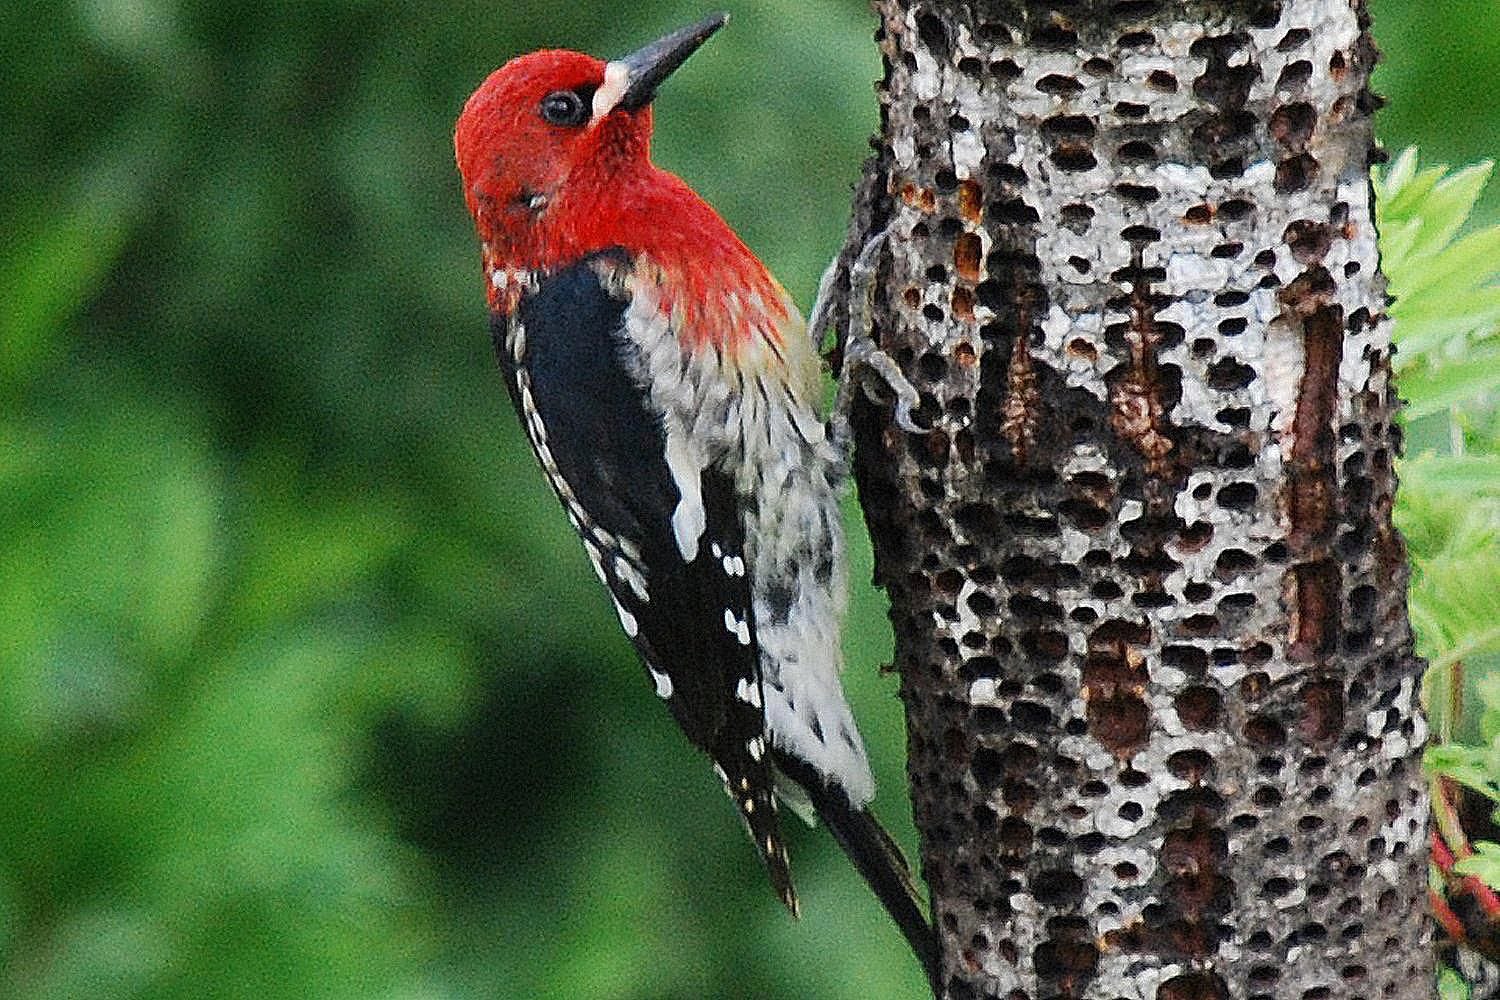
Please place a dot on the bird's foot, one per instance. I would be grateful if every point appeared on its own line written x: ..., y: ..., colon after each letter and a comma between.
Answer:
x: 865, y: 364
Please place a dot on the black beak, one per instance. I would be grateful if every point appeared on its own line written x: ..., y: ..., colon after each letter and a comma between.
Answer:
x: 649, y: 66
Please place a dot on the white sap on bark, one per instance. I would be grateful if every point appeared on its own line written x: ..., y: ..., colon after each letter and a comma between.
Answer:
x: 1149, y: 603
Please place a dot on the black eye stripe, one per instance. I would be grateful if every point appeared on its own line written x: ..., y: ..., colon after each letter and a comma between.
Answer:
x: 565, y: 107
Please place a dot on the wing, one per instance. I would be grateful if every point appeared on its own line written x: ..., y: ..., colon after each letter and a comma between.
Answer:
x: 605, y: 451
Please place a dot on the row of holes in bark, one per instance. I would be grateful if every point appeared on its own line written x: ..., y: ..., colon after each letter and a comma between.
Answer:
x: 1058, y: 33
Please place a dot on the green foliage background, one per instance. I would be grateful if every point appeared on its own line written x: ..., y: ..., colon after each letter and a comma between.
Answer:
x: 305, y: 690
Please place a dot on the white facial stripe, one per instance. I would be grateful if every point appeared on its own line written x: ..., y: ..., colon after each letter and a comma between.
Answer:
x: 616, y: 76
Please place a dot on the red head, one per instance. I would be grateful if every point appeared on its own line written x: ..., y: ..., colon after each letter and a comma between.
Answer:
x: 531, y: 129
x: 554, y: 151
x: 554, y: 138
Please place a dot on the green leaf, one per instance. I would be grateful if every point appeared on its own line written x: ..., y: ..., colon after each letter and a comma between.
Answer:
x: 1451, y: 985
x: 1435, y: 388
x: 1484, y: 862
x: 1457, y: 475
x: 1474, y: 767
x: 1446, y: 292
x: 56, y: 256
x: 1448, y: 206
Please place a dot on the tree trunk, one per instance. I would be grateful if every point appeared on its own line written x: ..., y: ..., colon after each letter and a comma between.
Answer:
x: 1148, y: 601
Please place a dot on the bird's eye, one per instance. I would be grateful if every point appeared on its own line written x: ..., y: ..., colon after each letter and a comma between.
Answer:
x: 564, y: 107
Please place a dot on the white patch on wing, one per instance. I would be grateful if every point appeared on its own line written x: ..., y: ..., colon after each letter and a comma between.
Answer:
x: 664, y: 690
x: 616, y: 78
x: 627, y: 621
x: 689, y: 519
x: 748, y: 691
x: 595, y: 558
x: 536, y: 431
x: 737, y: 627
x: 627, y: 572
x: 518, y: 341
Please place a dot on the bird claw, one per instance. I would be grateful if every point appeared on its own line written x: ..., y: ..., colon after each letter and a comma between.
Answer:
x: 867, y: 363
x: 864, y: 361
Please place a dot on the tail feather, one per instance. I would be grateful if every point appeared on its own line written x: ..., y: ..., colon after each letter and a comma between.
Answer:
x: 877, y: 858
x: 748, y: 782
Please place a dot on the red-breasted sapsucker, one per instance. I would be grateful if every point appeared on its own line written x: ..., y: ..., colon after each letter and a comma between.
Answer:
x: 670, y: 391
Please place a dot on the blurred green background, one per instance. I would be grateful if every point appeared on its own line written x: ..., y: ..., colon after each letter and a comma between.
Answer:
x: 305, y: 689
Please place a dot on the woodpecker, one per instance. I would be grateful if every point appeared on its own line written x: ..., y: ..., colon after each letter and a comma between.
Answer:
x: 670, y: 391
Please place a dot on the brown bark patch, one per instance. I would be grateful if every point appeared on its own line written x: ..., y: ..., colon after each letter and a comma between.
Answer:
x: 970, y: 202
x: 967, y: 252
x: 1311, y: 484
x: 923, y: 200
x: 962, y: 304
x: 1137, y: 412
x: 1199, y: 707
x: 1322, y: 710
x: 1114, y: 687
x: 1309, y: 241
x: 1314, y: 609
x: 1022, y: 399
x: 1194, y: 986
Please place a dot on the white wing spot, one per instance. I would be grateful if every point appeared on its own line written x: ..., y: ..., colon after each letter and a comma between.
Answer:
x: 664, y: 690
x: 736, y: 627
x: 628, y: 573
x: 689, y: 519
x: 537, y: 432
x: 716, y: 550
x: 757, y: 748
x: 749, y: 806
x: 515, y: 336
x: 748, y: 691
x: 594, y: 557
x: 628, y: 622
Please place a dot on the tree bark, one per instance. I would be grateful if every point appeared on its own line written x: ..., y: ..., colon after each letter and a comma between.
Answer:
x: 1148, y: 601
